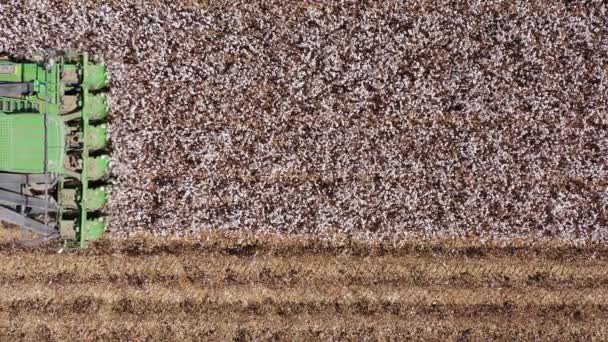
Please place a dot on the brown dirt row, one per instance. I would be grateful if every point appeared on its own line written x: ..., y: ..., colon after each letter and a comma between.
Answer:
x: 309, y: 328
x: 244, y: 244
x: 262, y: 298
x: 219, y: 270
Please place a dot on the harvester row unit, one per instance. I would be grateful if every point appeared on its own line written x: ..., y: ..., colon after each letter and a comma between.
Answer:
x: 53, y: 141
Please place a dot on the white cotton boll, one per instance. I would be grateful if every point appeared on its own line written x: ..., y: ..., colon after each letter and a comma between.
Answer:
x: 378, y: 123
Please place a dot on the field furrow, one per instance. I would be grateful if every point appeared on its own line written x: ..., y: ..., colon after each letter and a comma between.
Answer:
x: 241, y: 287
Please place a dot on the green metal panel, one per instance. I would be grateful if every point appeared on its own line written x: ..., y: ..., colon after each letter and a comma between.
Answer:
x: 55, y: 140
x: 6, y: 142
x: 23, y: 147
x: 22, y: 143
x: 17, y: 72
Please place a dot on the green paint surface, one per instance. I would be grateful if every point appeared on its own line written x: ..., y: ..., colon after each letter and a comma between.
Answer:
x: 35, y: 129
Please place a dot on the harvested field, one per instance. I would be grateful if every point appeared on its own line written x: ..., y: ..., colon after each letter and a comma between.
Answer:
x: 247, y: 287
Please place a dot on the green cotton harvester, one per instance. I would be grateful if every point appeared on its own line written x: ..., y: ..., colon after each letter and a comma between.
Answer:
x: 53, y: 141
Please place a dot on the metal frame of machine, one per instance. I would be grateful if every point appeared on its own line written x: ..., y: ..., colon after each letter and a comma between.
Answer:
x: 53, y: 140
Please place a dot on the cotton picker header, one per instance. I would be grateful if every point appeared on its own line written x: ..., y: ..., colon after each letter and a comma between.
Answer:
x: 52, y: 142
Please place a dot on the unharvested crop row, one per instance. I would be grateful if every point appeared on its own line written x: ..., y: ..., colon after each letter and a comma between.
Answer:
x: 378, y: 119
